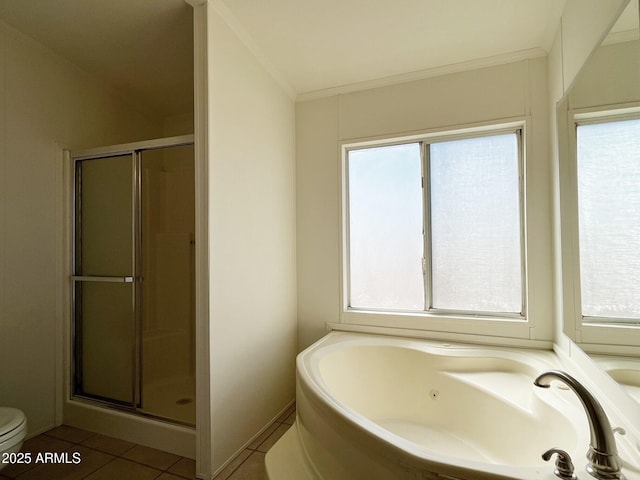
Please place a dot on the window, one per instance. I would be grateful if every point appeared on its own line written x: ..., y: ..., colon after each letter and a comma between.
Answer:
x: 385, y: 226
x: 608, y: 166
x: 434, y: 225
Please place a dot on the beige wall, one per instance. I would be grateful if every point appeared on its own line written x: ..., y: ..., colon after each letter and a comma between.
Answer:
x: 178, y: 125
x: 45, y: 104
x: 584, y: 25
x: 515, y: 90
x: 610, y: 77
x: 252, y: 243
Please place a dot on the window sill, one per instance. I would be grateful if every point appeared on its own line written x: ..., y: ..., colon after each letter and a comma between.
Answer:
x: 483, y: 329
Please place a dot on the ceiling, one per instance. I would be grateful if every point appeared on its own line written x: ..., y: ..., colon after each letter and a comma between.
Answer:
x: 144, y: 47
x: 317, y: 45
x: 627, y: 26
x: 141, y: 48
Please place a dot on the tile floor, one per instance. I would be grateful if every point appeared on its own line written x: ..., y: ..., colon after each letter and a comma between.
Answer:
x: 106, y: 458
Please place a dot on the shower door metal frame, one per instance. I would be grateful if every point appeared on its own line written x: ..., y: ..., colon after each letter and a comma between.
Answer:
x: 135, y: 151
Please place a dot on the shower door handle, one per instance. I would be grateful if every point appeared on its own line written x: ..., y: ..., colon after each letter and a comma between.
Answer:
x: 82, y: 278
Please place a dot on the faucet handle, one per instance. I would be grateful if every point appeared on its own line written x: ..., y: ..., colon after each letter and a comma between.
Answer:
x: 564, y: 465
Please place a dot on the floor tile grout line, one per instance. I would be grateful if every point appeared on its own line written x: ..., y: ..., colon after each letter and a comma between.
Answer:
x: 115, y: 457
x: 120, y: 455
x: 217, y: 477
x: 82, y: 478
x: 99, y: 468
x: 232, y: 472
x: 74, y: 444
x: 177, y: 460
x: 174, y: 473
x: 165, y: 470
x: 281, y: 421
x: 128, y: 449
x: 278, y: 425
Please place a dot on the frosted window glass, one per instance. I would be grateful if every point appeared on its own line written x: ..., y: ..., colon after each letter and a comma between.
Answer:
x: 385, y: 228
x: 475, y: 224
x: 609, y: 218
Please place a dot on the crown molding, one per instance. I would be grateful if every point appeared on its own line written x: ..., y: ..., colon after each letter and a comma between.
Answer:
x: 196, y: 3
x: 621, y: 37
x: 248, y: 41
x: 245, y: 37
x: 426, y: 73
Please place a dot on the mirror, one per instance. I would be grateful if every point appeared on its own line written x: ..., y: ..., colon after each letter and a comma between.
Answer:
x: 607, y: 86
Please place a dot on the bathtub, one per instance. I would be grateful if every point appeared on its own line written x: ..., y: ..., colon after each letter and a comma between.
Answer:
x: 624, y: 370
x: 377, y: 407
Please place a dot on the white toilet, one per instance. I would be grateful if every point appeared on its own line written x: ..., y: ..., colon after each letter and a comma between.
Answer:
x: 13, y: 429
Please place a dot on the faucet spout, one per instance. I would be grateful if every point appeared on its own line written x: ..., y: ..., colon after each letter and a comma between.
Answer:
x: 604, y: 463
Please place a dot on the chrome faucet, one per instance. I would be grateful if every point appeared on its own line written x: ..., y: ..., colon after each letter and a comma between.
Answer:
x: 604, y: 463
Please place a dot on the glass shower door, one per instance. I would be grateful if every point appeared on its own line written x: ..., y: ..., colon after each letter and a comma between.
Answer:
x: 167, y: 228
x: 105, y: 286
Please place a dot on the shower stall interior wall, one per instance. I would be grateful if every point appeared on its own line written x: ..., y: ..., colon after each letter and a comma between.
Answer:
x: 134, y: 278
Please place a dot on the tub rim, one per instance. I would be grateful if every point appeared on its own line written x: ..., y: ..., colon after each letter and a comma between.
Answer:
x: 307, y: 366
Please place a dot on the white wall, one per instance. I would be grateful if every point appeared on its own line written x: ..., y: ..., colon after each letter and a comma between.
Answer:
x: 252, y: 243
x: 451, y: 101
x: 45, y: 104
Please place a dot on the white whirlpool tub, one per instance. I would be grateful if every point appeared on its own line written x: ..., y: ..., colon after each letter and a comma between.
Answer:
x: 375, y: 407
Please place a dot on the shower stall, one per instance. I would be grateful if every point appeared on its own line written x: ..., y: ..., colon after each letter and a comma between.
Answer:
x: 133, y: 290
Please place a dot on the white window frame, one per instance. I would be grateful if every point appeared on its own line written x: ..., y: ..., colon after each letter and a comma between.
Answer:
x: 594, y: 334
x: 475, y: 325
